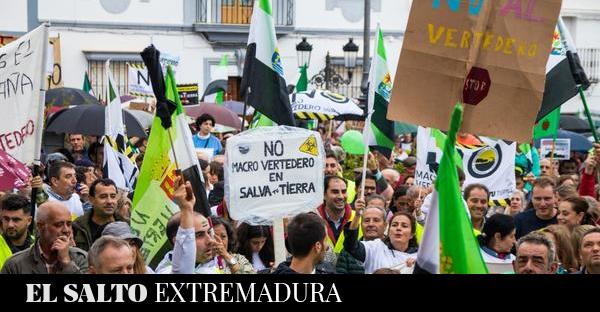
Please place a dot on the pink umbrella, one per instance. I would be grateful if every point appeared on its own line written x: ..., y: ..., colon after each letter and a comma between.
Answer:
x: 222, y: 115
x: 13, y: 174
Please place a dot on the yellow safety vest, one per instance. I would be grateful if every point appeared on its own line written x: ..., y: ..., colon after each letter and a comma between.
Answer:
x: 5, y: 251
x: 339, y: 244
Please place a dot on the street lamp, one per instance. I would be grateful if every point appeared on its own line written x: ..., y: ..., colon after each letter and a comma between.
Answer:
x: 304, y: 50
x: 328, y: 77
x: 350, y: 53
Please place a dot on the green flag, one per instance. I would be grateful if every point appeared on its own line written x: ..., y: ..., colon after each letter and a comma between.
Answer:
x: 459, y: 250
x: 223, y: 68
x: 547, y: 126
x: 87, y: 86
x: 380, y: 134
x: 302, y: 84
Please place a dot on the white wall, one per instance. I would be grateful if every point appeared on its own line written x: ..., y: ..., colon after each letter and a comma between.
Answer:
x: 312, y: 14
x: 156, y: 12
x: 13, y: 16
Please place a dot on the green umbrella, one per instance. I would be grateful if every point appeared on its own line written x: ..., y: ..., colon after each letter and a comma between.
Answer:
x: 403, y: 128
x: 352, y: 142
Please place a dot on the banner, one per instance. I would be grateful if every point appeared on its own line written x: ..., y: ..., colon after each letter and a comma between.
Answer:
x: 22, y: 80
x: 491, y: 164
x: 138, y: 81
x: 491, y: 55
x: 188, y: 93
x: 273, y: 172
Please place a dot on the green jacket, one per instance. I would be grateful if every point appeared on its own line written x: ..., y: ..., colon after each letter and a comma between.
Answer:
x: 30, y: 261
x: 82, y: 233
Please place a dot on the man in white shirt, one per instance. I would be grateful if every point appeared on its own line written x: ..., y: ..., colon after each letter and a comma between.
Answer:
x: 63, y: 184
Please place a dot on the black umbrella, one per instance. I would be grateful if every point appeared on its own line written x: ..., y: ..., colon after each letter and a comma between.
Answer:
x: 572, y: 123
x: 214, y: 87
x: 68, y: 96
x: 89, y: 120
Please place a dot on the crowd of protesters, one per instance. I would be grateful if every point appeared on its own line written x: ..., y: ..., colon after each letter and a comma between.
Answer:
x: 81, y: 221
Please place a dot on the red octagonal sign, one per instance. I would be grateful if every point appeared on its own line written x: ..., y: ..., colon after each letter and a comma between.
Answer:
x: 477, y: 86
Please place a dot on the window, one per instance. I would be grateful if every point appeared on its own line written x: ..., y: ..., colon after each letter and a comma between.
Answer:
x: 98, y: 78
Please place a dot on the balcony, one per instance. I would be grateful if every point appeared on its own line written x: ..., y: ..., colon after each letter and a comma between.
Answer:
x: 590, y: 60
x: 226, y: 22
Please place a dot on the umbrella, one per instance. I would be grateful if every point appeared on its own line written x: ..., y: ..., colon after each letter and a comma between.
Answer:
x: 214, y: 87
x: 238, y: 107
x: 221, y: 114
x: 66, y: 97
x: 404, y: 128
x: 579, y: 143
x: 324, y: 105
x: 89, y: 120
x: 13, y: 174
x: 572, y: 123
x: 145, y: 118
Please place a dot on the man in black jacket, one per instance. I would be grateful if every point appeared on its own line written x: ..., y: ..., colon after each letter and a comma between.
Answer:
x: 307, y: 242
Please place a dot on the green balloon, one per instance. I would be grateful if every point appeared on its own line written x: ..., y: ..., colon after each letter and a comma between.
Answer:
x: 352, y: 142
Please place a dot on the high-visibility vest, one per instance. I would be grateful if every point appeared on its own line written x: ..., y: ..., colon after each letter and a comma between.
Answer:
x: 339, y: 244
x: 5, y: 251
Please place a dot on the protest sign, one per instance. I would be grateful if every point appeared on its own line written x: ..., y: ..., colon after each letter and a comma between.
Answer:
x: 22, y: 80
x: 139, y: 81
x: 561, y: 149
x: 55, y: 79
x: 188, y: 93
x: 491, y: 164
x: 491, y: 55
x: 273, y: 172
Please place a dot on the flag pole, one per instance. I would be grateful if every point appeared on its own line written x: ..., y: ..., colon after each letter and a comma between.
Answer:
x: 245, y: 108
x: 365, y: 156
x: 587, y: 114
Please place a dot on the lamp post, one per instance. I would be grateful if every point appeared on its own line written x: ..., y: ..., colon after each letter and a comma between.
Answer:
x: 328, y: 77
x: 364, y: 87
x: 304, y: 49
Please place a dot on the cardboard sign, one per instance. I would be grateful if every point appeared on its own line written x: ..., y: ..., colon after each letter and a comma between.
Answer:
x: 273, y: 172
x: 22, y: 80
x: 55, y: 78
x: 562, y: 149
x: 490, y: 55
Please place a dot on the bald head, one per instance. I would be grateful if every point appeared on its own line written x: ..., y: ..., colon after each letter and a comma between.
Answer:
x: 53, y: 221
x: 51, y: 209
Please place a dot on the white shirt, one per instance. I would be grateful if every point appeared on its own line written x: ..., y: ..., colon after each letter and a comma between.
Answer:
x: 73, y: 203
x: 379, y: 256
x: 257, y: 263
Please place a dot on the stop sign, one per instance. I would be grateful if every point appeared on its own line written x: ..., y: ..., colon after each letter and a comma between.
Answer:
x: 477, y: 86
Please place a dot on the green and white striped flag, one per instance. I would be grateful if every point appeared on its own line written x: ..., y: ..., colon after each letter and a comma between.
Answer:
x: 117, y: 166
x: 379, y: 131
x: 263, y: 84
x: 87, y: 85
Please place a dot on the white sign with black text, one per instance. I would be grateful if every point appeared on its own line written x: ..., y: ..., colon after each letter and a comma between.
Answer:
x: 273, y: 172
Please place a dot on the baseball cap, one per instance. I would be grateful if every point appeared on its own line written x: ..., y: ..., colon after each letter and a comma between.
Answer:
x: 122, y: 230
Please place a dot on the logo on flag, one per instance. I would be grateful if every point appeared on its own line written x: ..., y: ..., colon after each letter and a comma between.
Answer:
x: 276, y: 60
x: 484, y: 163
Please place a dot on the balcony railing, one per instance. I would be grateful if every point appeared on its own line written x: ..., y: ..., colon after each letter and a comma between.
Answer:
x: 590, y: 60
x: 239, y: 12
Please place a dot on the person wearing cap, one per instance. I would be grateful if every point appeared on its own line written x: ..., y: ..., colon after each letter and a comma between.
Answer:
x: 88, y: 228
x: 123, y: 231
